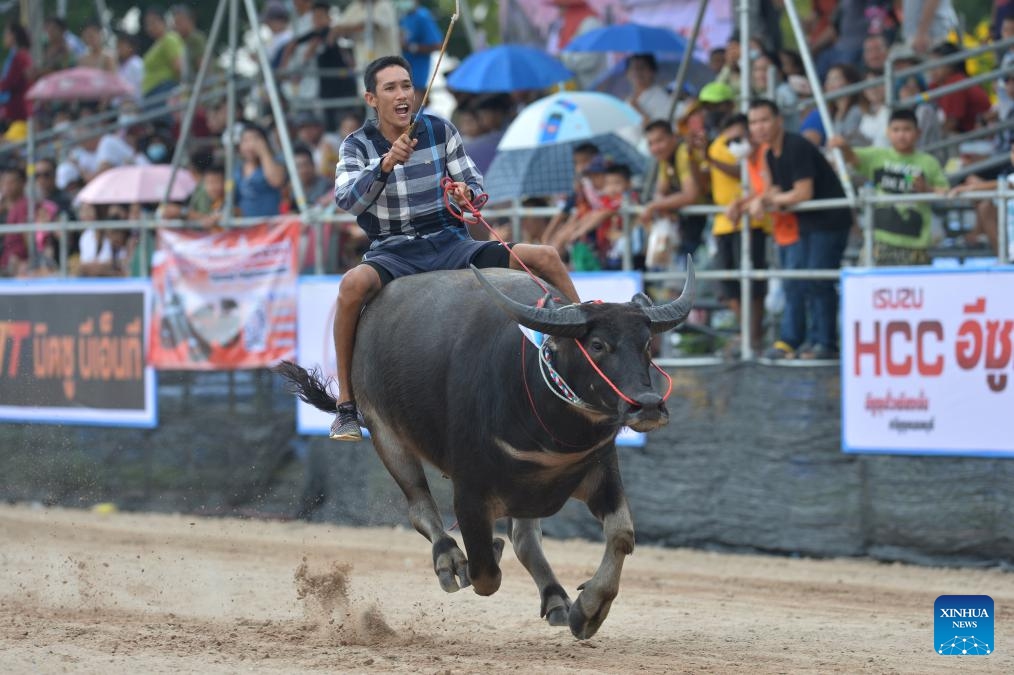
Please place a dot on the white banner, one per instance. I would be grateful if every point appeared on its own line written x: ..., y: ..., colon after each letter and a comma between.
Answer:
x: 927, y: 361
x: 315, y: 344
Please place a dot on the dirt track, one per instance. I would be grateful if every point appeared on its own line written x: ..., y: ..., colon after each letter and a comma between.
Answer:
x: 84, y: 592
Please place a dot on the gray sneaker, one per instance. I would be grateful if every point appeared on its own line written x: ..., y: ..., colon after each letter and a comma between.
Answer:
x: 346, y: 423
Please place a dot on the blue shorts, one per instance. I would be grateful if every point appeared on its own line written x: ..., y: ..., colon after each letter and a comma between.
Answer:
x: 449, y: 249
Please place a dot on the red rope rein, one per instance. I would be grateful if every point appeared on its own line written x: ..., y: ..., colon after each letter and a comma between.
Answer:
x: 471, y: 208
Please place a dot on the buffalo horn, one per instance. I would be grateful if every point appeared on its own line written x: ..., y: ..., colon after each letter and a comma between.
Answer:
x: 668, y: 316
x: 567, y: 321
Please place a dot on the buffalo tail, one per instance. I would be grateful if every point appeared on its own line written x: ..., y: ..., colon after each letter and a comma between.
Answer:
x: 307, y: 385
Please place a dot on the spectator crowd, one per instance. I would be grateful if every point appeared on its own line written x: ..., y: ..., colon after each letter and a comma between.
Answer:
x: 752, y: 167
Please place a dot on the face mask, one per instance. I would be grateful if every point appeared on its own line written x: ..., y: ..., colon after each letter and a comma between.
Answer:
x: 157, y: 152
x: 740, y: 149
x: 126, y: 119
x: 754, y: 54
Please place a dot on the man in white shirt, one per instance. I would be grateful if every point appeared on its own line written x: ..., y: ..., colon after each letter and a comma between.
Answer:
x: 646, y: 96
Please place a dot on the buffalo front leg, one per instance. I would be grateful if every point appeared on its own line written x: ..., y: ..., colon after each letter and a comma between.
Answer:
x: 476, y: 524
x: 526, y: 536
x: 603, y: 493
x: 406, y: 469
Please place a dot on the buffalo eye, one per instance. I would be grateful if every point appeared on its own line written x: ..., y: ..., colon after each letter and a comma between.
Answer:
x: 597, y: 346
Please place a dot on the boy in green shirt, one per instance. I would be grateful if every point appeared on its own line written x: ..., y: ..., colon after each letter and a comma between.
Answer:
x: 901, y: 232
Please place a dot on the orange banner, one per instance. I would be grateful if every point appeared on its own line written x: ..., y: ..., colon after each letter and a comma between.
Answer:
x: 225, y: 301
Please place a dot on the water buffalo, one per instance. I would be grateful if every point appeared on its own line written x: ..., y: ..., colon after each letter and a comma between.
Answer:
x: 443, y: 374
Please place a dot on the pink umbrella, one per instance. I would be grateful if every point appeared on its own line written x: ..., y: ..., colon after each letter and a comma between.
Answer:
x: 137, y: 184
x: 74, y: 84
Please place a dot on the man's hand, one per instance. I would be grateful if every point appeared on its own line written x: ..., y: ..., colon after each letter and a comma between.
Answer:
x: 647, y: 214
x: 399, y: 153
x: 837, y: 142
x: 461, y: 194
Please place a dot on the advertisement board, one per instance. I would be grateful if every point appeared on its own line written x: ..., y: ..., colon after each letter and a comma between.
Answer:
x: 226, y: 300
x: 316, y: 312
x: 74, y: 352
x: 927, y: 361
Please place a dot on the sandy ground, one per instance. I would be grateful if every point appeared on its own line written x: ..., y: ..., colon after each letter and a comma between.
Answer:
x: 138, y: 593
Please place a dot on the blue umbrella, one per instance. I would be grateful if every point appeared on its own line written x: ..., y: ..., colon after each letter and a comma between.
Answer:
x: 508, y: 68
x: 549, y: 169
x: 628, y: 37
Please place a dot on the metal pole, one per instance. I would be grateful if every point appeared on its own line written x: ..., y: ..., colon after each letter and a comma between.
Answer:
x: 278, y: 112
x: 867, y: 225
x: 1002, y: 222
x: 628, y: 233
x: 188, y: 116
x: 745, y: 260
x: 681, y: 72
x: 889, y: 82
x: 515, y: 218
x: 30, y: 176
x: 818, y: 97
x: 230, y: 115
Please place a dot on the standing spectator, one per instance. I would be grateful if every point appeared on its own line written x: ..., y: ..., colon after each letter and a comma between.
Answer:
x: 800, y: 173
x: 97, y: 55
x: 57, y: 55
x: 373, y: 26
x: 259, y: 176
x: 130, y: 66
x: 165, y: 60
x: 195, y: 41
x: 724, y: 156
x: 1005, y: 103
x: 576, y: 18
x: 901, y: 232
x: 580, y: 197
x: 328, y: 54
x: 316, y: 188
x: 14, y: 246
x: 961, y: 109
x: 847, y: 32
x: 678, y: 185
x: 646, y: 96
x: 927, y: 22
x: 15, y: 77
x: 420, y: 37
x: 876, y: 115
x: 927, y: 115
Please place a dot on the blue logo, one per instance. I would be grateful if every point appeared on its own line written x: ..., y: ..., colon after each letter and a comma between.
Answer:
x: 963, y: 625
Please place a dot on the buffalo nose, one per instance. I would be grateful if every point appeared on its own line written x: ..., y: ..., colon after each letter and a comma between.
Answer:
x: 649, y: 401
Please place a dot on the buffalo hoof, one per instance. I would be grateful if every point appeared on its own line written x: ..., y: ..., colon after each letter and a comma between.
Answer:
x: 584, y: 619
x: 486, y: 584
x: 498, y: 544
x: 449, y: 562
x: 558, y: 611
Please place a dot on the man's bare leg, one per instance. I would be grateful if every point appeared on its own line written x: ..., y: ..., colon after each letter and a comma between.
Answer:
x: 545, y: 262
x: 357, y: 287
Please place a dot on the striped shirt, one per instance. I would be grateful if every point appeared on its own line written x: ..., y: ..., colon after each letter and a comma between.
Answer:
x: 409, y: 200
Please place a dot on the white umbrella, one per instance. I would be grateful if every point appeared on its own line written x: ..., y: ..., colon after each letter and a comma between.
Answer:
x: 569, y: 116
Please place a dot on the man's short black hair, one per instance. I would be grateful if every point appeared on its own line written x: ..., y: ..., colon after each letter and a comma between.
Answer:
x: 302, y: 149
x: 377, y: 65
x: 663, y: 125
x: 759, y: 103
x: 585, y: 148
x: 904, y: 115
x: 216, y: 167
x: 16, y: 170
x: 201, y: 159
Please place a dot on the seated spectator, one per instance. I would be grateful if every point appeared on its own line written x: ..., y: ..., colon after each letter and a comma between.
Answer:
x: 311, y: 132
x: 104, y: 252
x: 15, y: 79
x: 601, y: 229
x: 901, y: 232
x: 646, y: 96
x: 317, y: 189
x: 875, y: 48
x: 93, y: 155
x: 985, y: 233
x: 97, y: 55
x: 768, y: 80
x: 876, y: 115
x: 492, y: 112
x: 57, y: 55
x: 45, y: 185
x: 800, y: 173
x: 259, y: 176
x: 165, y: 60
x: 15, y: 246
x: 724, y: 156
x: 129, y: 64
x: 962, y: 110
x: 846, y: 115
x: 679, y: 183
x: 580, y: 199
x: 926, y: 114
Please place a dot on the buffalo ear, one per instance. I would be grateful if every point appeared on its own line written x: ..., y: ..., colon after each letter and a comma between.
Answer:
x: 566, y: 321
x: 642, y: 301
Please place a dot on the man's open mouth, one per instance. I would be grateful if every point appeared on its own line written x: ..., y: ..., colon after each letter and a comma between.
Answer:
x: 402, y: 109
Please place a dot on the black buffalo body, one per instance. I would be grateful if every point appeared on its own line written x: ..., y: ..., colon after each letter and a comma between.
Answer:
x: 441, y: 375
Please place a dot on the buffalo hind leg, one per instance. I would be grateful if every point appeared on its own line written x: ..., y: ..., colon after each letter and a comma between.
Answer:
x: 526, y: 536
x: 603, y: 493
x: 407, y: 471
x: 484, y: 552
